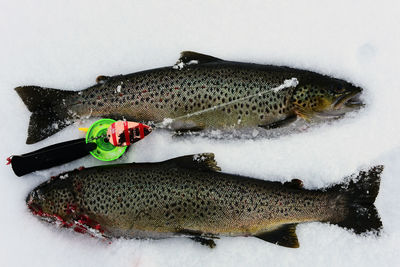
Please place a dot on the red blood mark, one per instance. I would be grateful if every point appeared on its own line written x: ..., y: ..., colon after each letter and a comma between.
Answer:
x: 280, y: 203
x: 80, y: 229
x: 8, y: 160
x: 190, y: 100
x: 161, y: 100
x: 70, y: 209
x: 78, y: 186
x: 144, y: 91
x: 99, y: 97
x: 54, y: 216
x: 176, y: 88
x: 81, y: 225
x: 85, y: 220
x: 81, y: 168
x: 203, y: 86
x: 53, y: 177
x: 121, y: 94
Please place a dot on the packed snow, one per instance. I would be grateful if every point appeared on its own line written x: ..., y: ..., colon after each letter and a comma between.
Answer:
x: 66, y: 45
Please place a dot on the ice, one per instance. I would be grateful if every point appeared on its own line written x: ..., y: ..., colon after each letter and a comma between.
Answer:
x: 66, y: 45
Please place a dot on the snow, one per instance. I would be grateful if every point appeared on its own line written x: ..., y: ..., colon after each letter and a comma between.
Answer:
x: 64, y: 44
x: 293, y: 82
x: 119, y: 89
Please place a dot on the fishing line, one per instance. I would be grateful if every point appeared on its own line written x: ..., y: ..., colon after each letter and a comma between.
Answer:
x: 293, y: 82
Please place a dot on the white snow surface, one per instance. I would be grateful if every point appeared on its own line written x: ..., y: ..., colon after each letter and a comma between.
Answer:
x: 67, y: 44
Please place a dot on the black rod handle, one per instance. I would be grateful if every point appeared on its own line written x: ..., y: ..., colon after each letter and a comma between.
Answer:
x: 50, y: 156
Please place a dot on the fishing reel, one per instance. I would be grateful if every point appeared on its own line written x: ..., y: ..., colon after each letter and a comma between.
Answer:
x: 106, y: 140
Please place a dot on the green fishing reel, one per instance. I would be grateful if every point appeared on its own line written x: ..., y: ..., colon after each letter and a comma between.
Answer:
x: 105, y: 151
x: 106, y: 140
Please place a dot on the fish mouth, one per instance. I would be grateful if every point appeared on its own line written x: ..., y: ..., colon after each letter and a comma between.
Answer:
x: 31, y: 202
x: 50, y: 218
x: 343, y: 104
x: 349, y: 100
x: 37, y: 211
x: 354, y: 101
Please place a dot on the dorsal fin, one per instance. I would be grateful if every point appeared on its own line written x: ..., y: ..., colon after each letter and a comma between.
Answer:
x: 295, y: 184
x: 285, y: 236
x: 203, y: 162
x: 188, y: 56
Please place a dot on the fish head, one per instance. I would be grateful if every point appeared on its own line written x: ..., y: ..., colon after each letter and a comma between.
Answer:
x: 53, y: 201
x: 330, y: 97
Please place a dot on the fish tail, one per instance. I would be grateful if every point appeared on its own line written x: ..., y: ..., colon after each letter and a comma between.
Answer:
x: 49, y: 111
x: 358, y: 199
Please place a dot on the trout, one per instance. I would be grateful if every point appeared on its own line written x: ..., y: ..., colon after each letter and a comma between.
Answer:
x: 189, y: 196
x: 199, y: 92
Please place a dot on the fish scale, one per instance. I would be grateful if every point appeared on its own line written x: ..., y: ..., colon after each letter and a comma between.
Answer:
x: 192, y: 89
x: 189, y: 196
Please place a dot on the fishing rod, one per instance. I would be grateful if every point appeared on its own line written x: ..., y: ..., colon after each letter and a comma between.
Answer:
x: 106, y: 140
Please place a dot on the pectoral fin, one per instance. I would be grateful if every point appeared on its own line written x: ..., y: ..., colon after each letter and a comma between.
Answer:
x: 285, y: 236
x: 280, y: 123
x: 303, y: 113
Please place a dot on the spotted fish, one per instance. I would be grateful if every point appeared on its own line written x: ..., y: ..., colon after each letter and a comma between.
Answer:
x: 188, y: 196
x: 199, y: 92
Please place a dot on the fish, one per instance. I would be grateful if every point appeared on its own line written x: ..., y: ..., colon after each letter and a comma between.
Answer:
x: 199, y: 92
x: 190, y: 197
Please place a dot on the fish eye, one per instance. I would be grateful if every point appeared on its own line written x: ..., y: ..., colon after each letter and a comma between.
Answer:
x: 35, y: 194
x: 337, y: 90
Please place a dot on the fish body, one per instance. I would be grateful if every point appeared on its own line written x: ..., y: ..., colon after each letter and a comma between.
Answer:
x: 210, y: 94
x: 188, y: 196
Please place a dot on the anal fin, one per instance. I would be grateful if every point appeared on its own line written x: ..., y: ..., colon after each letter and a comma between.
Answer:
x: 200, y: 237
x: 284, y: 236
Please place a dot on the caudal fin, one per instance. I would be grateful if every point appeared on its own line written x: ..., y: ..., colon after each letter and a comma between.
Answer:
x: 49, y: 111
x: 359, y: 197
